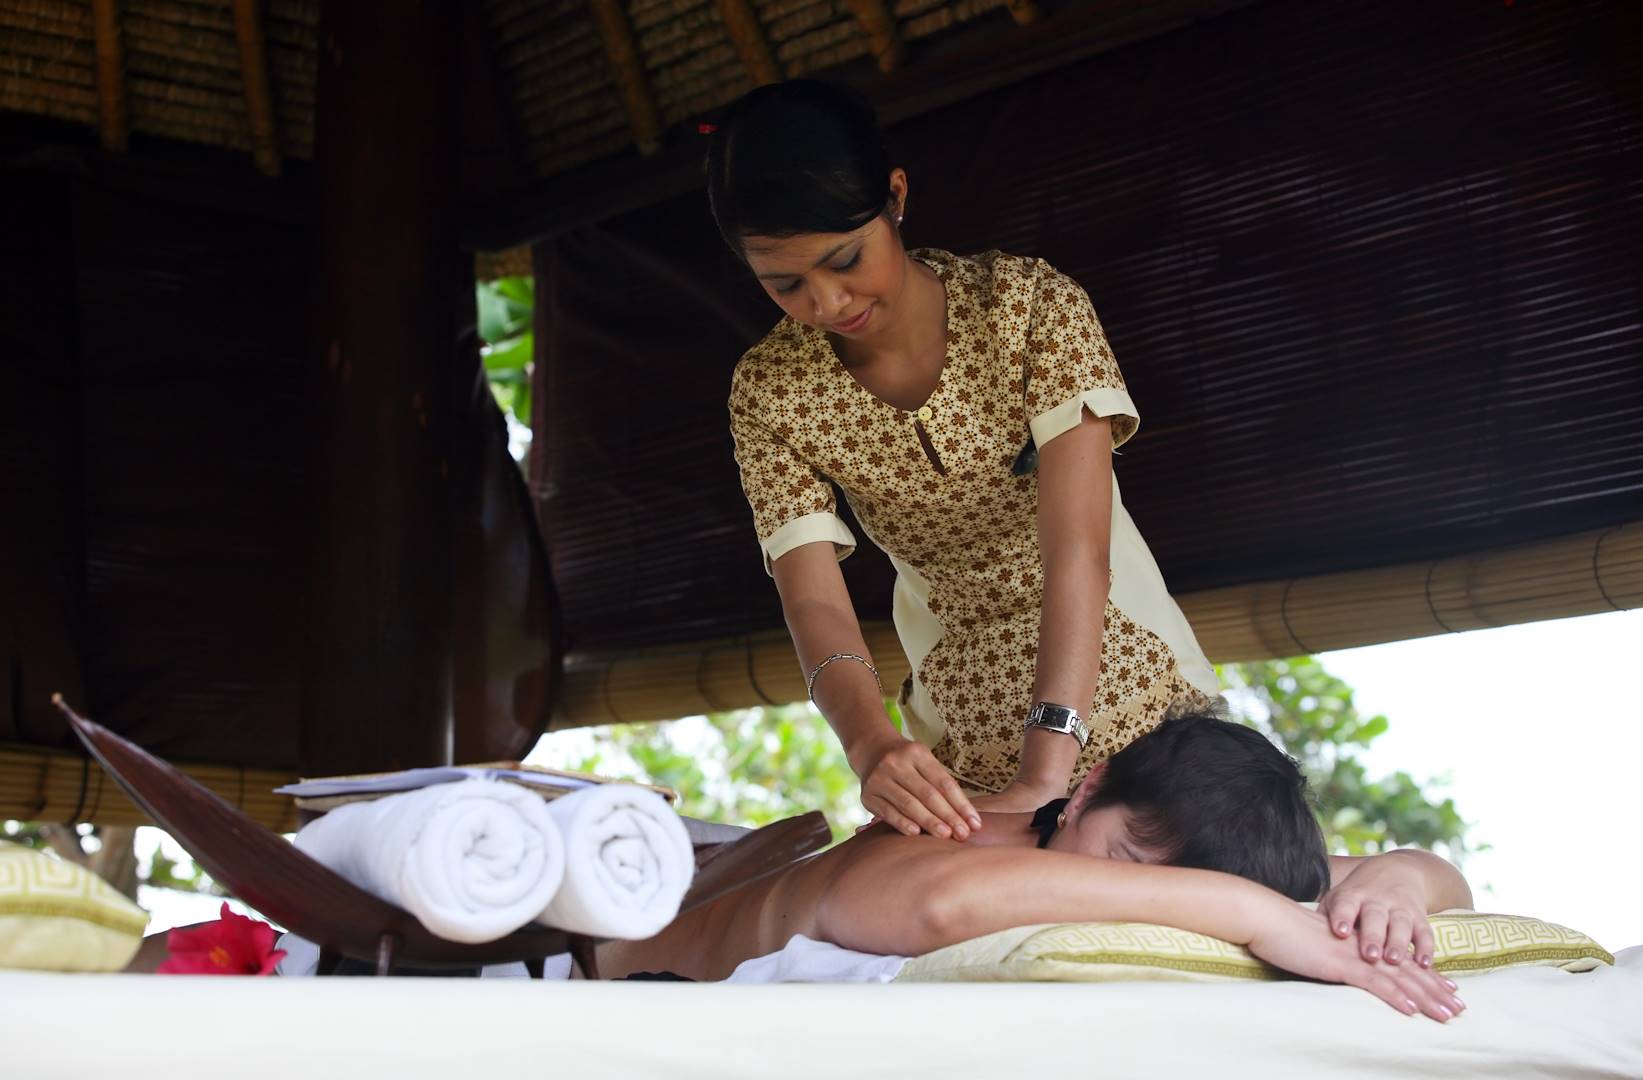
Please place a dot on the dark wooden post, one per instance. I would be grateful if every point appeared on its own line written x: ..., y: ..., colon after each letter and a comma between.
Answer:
x: 378, y: 674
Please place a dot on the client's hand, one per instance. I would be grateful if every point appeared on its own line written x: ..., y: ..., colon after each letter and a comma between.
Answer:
x: 1385, y: 900
x: 903, y: 784
x: 1297, y: 940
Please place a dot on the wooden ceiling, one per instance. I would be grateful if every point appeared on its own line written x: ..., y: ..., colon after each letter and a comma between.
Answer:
x: 581, y: 79
x: 570, y: 93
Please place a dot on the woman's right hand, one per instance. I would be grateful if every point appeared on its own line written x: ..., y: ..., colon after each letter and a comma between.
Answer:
x: 904, y: 785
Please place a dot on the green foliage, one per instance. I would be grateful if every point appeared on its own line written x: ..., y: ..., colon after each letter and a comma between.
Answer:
x: 747, y: 767
x: 505, y: 308
x: 1309, y: 713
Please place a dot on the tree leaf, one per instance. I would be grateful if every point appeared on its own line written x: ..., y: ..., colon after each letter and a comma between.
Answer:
x: 512, y: 354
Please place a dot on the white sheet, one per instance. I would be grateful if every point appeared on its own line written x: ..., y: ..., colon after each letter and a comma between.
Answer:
x: 1526, y: 1022
x: 803, y: 960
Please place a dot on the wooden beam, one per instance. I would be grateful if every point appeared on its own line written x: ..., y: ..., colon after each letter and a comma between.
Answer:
x: 1024, y: 12
x: 880, y: 27
x: 747, y: 37
x: 629, y: 72
x: 380, y: 646
x: 259, y: 101
x: 113, y: 122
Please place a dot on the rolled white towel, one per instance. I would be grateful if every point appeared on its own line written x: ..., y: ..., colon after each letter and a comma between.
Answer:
x: 473, y: 860
x: 628, y: 862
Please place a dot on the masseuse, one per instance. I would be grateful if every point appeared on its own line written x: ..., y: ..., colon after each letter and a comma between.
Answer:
x: 968, y: 407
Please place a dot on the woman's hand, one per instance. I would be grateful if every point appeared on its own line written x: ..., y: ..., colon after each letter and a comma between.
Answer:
x: 1385, y: 900
x: 1297, y: 940
x: 904, y: 785
x: 1020, y: 797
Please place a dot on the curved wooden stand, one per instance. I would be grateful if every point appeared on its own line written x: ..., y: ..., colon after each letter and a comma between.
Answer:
x: 270, y: 874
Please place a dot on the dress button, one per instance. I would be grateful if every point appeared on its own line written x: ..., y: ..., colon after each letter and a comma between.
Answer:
x: 925, y: 412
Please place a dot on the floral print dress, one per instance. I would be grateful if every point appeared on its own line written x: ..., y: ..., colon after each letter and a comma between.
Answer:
x: 934, y: 488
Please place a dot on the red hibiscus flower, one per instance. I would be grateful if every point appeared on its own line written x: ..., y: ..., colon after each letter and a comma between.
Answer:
x: 233, y: 945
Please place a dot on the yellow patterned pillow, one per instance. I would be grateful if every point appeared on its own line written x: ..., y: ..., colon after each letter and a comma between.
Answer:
x: 56, y: 916
x: 1468, y: 943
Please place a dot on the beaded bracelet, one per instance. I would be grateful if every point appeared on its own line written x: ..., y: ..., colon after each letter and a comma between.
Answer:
x: 810, y: 680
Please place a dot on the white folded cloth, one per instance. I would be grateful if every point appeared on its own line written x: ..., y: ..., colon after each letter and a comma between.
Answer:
x: 628, y: 862
x: 474, y: 860
x: 803, y: 960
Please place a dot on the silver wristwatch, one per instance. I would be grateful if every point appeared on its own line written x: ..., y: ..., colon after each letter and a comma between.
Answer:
x: 1058, y: 718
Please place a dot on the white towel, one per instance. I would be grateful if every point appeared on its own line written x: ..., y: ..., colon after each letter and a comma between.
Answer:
x: 628, y: 862
x: 474, y: 861
x: 803, y: 960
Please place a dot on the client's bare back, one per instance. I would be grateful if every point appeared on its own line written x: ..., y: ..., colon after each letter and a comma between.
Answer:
x: 760, y: 918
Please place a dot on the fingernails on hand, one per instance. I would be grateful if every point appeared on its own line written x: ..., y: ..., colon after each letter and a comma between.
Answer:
x: 1451, y: 983
x: 1342, y: 929
x: 1373, y: 952
x: 910, y: 830
x: 975, y: 821
x: 1410, y: 1007
x: 1448, y: 1013
x: 1425, y: 960
x: 1459, y: 1004
x: 943, y: 831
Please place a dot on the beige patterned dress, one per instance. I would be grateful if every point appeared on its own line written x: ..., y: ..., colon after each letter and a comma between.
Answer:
x: 960, y: 529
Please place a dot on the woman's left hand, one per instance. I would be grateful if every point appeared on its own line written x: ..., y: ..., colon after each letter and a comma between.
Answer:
x: 1018, y: 797
x: 1385, y: 900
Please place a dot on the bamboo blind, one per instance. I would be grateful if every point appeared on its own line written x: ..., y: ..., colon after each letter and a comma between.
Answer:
x: 1584, y: 574
x: 46, y: 785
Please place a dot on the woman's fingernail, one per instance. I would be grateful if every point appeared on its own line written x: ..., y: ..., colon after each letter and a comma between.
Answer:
x: 1410, y: 1006
x: 1451, y: 983
x: 1372, y: 952
x: 1459, y: 1004
x: 1425, y: 961
x: 943, y: 831
x: 1448, y: 1013
x: 975, y: 822
x: 1341, y: 929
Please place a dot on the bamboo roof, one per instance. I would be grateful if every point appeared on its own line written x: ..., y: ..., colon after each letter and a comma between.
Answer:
x: 578, y: 81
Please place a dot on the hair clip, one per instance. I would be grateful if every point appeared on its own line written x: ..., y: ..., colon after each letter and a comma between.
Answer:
x: 706, y: 129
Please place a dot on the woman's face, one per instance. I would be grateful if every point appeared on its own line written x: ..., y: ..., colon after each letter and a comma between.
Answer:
x: 847, y: 283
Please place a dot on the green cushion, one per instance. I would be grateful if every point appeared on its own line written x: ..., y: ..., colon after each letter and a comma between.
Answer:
x: 1468, y: 943
x: 58, y: 916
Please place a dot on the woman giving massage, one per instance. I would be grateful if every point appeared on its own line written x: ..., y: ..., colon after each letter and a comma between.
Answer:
x: 1200, y: 824
x: 968, y: 407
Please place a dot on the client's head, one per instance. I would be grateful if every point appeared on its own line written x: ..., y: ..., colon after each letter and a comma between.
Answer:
x: 1202, y: 792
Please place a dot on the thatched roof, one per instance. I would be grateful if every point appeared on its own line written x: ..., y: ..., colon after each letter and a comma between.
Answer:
x: 575, y: 82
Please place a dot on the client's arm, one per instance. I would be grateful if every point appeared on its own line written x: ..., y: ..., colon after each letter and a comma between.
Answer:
x: 1387, y: 897
x: 909, y: 902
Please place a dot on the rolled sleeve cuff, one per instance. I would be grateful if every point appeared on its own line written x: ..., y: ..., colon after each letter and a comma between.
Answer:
x: 1103, y: 402
x: 810, y: 529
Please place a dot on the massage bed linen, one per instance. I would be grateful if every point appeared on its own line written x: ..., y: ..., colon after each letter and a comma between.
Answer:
x: 1523, y: 1022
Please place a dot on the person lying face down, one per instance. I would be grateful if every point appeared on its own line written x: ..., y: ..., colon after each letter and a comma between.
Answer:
x: 1201, y: 824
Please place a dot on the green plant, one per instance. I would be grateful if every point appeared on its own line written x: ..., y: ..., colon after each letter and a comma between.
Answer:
x: 505, y: 310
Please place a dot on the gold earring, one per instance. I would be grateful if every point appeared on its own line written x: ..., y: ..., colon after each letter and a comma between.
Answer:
x: 1061, y: 821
